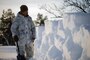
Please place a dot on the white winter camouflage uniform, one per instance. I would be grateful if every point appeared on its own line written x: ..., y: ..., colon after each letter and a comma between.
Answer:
x: 24, y: 28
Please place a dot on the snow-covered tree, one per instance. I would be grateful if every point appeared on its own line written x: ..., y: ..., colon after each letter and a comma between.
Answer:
x: 5, y: 25
x: 41, y: 19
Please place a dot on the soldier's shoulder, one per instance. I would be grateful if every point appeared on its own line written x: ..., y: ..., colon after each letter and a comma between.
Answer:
x: 17, y: 18
x: 29, y: 17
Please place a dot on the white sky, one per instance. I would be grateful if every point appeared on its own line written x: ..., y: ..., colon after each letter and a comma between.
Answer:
x: 33, y: 6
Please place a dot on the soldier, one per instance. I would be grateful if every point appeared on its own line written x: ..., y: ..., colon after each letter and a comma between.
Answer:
x: 23, y: 32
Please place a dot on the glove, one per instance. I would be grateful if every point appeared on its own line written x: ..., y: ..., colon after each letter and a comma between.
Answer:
x: 16, y: 38
x: 33, y: 39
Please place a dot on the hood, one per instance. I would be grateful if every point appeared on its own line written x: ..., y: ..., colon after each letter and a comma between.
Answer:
x: 19, y: 15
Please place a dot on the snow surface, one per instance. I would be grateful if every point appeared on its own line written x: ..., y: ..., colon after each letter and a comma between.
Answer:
x: 66, y: 39
x: 8, y: 53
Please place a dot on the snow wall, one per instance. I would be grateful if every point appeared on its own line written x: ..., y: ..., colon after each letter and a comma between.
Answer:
x: 65, y: 39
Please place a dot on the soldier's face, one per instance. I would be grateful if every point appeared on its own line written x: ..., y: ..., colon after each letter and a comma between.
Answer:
x: 25, y: 13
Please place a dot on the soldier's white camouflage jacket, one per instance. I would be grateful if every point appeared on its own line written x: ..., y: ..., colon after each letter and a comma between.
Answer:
x: 23, y: 27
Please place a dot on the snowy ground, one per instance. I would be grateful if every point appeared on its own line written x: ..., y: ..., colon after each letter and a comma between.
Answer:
x: 66, y: 39
x: 8, y: 53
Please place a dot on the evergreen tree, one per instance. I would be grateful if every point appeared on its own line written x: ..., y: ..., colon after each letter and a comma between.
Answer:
x: 5, y: 25
x: 41, y: 19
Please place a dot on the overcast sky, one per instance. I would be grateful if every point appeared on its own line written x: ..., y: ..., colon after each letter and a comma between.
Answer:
x: 33, y: 6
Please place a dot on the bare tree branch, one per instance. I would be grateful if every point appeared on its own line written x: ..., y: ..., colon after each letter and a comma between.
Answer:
x: 82, y: 5
x: 79, y: 5
x: 48, y: 10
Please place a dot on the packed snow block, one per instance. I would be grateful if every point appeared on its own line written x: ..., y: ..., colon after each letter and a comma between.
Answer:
x: 72, y: 20
x: 39, y: 34
x: 77, y: 32
x: 48, y: 27
x: 64, y: 39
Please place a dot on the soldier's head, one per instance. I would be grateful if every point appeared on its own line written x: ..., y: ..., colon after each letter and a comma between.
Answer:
x: 24, y: 10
